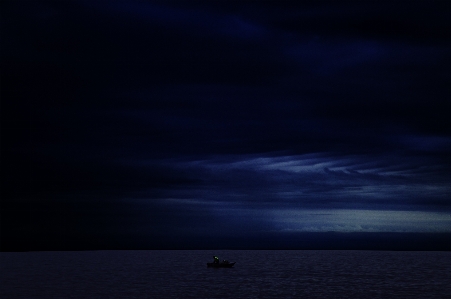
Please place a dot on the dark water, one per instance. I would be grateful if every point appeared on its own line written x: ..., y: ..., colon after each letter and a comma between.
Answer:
x: 257, y: 274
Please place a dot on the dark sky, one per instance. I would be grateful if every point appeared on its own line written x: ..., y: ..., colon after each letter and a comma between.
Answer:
x: 144, y: 124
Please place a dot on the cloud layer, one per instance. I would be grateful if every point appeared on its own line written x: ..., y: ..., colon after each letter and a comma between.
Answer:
x: 168, y: 116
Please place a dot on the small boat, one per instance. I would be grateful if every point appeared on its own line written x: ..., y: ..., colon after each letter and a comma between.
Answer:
x: 224, y: 264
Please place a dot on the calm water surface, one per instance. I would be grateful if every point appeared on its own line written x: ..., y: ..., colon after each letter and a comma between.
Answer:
x: 257, y: 274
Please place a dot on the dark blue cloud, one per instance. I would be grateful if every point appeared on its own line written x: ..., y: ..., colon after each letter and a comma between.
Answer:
x: 168, y: 116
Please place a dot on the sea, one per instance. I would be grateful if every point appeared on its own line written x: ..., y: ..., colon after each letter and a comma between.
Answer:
x: 256, y: 274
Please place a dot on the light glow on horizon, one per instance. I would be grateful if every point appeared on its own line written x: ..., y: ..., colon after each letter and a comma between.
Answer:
x: 348, y: 220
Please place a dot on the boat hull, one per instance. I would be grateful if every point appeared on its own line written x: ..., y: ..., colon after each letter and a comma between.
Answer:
x: 220, y: 265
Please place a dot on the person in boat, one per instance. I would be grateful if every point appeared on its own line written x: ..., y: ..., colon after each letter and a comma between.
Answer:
x: 216, y: 259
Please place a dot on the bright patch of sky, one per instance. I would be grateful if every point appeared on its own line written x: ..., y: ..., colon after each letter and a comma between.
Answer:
x: 360, y: 221
x: 318, y: 220
x: 324, y: 180
x: 317, y: 163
